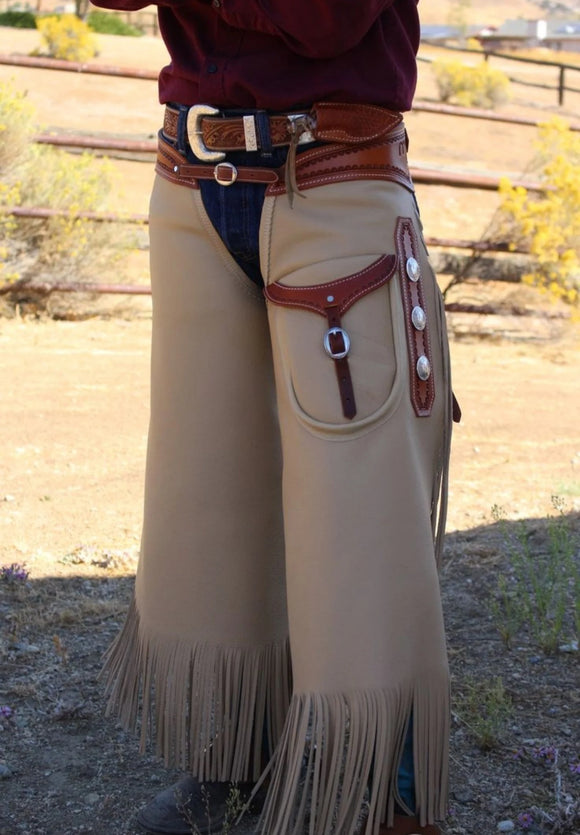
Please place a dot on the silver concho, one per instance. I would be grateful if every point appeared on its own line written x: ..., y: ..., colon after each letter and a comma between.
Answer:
x: 413, y: 270
x: 423, y: 368
x: 419, y: 318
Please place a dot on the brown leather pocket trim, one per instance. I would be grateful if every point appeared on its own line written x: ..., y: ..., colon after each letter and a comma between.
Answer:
x: 416, y: 324
x: 332, y: 299
x: 344, y: 291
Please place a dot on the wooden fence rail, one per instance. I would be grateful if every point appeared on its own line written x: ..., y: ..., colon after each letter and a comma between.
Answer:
x: 42, y: 213
x: 420, y: 174
x: 26, y: 291
x: 76, y: 67
x: 447, y: 262
x: 149, y: 75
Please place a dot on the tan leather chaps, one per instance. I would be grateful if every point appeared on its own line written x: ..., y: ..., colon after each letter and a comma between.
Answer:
x: 287, y: 593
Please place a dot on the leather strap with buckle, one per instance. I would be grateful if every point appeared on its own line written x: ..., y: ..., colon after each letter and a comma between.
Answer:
x: 332, y: 299
x: 174, y: 167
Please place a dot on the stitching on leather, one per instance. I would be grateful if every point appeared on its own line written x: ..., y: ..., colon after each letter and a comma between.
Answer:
x: 392, y: 174
x: 349, y: 300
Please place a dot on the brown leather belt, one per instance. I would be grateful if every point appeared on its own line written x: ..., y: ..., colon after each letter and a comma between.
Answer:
x: 230, y: 133
x: 359, y: 142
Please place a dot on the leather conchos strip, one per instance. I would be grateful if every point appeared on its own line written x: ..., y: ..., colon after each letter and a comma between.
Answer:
x: 416, y: 324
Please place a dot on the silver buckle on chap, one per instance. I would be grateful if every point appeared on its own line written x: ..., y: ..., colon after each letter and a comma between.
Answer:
x: 195, y: 133
x: 225, y: 173
x: 336, y: 355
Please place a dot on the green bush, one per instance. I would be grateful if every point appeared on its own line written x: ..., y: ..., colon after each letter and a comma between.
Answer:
x: 541, y: 589
x: 484, y: 707
x: 18, y: 20
x: 111, y: 24
x: 479, y: 86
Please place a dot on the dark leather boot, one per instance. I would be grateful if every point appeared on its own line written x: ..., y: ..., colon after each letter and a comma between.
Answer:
x: 190, y: 806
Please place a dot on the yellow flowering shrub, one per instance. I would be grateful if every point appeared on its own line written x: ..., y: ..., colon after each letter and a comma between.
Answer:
x: 478, y: 86
x: 66, y: 246
x: 16, y: 126
x: 66, y: 37
x: 16, y: 130
x: 548, y: 223
x: 53, y: 248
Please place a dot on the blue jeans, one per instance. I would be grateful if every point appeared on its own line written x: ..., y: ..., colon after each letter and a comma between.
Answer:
x: 235, y: 210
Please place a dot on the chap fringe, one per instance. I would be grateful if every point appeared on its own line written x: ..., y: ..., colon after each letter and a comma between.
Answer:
x: 205, y: 707
x: 340, y: 754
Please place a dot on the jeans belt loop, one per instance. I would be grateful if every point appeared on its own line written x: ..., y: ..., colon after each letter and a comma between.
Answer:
x: 181, y: 138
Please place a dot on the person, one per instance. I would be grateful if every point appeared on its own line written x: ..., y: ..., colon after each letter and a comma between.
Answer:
x: 286, y: 628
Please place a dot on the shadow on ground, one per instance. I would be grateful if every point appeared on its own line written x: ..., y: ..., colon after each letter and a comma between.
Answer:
x: 66, y: 769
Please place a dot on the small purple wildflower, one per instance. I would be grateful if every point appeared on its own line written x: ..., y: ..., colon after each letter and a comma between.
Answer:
x: 525, y: 820
x: 519, y: 754
x: 14, y: 573
x: 5, y: 712
x: 575, y: 767
x: 548, y: 753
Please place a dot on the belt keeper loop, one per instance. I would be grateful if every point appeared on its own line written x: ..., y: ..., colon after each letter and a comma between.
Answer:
x: 264, y: 135
x: 182, y: 137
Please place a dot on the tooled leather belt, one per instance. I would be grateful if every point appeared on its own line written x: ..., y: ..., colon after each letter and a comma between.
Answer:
x: 358, y: 142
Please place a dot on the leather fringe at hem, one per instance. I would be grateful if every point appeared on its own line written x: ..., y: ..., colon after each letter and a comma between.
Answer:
x: 339, y: 756
x: 210, y: 710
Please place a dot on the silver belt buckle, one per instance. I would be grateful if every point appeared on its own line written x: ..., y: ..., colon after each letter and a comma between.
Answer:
x: 195, y: 133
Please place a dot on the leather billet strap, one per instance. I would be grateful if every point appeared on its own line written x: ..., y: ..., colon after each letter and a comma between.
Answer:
x: 328, y: 121
x: 416, y: 324
x: 332, y: 299
x: 173, y: 166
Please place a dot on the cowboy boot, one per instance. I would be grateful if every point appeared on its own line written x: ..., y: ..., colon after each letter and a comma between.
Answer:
x: 190, y: 806
x: 406, y: 825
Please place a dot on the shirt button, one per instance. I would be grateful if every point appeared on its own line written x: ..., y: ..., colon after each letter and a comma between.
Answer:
x: 212, y: 68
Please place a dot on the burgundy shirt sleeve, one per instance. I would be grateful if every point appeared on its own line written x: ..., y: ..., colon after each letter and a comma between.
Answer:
x: 313, y: 28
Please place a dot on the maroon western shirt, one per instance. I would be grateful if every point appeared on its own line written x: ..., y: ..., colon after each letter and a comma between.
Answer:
x: 285, y: 54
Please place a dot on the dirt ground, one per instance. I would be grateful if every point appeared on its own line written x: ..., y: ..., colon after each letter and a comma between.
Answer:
x: 73, y: 413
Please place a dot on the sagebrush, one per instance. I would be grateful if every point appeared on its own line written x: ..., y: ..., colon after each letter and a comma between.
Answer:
x: 470, y: 86
x: 67, y: 246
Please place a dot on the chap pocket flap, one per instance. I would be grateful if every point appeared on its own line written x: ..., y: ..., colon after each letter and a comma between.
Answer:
x: 340, y: 294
